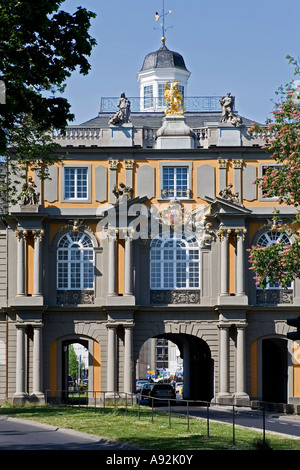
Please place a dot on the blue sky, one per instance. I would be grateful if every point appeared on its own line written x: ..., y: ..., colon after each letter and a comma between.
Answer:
x: 228, y: 46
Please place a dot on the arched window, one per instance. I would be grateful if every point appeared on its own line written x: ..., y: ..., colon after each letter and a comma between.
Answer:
x: 75, y: 262
x: 174, y: 263
x: 270, y: 238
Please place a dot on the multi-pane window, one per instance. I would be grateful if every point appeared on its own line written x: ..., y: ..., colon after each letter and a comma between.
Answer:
x: 175, y: 182
x: 268, y: 239
x: 75, y: 262
x: 76, y: 183
x: 174, y: 263
x: 148, y: 96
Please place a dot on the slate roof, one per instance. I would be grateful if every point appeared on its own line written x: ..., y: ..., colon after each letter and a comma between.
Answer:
x: 154, y: 120
x: 163, y: 58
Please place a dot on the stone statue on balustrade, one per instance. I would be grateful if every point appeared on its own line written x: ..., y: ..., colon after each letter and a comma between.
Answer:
x: 228, y: 115
x: 122, y: 116
x: 122, y: 193
x: 29, y: 196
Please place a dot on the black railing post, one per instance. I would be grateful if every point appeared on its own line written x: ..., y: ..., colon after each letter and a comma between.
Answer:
x: 264, y: 424
x: 233, y: 424
x: 152, y: 409
x: 188, y: 415
x: 207, y: 418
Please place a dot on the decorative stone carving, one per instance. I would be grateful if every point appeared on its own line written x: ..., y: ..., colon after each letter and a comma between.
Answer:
x: 237, y: 163
x: 129, y: 164
x: 121, y: 192
x: 37, y: 234
x: 274, y: 296
x: 75, y: 297
x: 113, y: 164
x: 122, y: 116
x: 223, y: 163
x: 228, y: 115
x: 173, y: 215
x: 229, y: 195
x: 29, y: 196
x: 175, y: 297
x: 236, y: 232
x: 191, y: 222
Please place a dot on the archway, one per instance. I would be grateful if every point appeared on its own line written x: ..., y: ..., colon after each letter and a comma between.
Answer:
x: 197, y: 364
x: 274, y: 370
x: 75, y: 370
x: 59, y: 366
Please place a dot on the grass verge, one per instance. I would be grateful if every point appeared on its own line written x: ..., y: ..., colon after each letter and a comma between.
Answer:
x: 154, y: 432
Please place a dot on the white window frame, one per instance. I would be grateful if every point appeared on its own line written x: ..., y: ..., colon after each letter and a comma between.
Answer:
x: 75, y: 262
x: 75, y: 168
x: 148, y: 97
x: 80, y: 177
x: 165, y: 192
x: 170, y: 255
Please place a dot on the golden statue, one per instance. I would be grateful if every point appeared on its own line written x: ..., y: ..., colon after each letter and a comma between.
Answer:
x: 173, y: 98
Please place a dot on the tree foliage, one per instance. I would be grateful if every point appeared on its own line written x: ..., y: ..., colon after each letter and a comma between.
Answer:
x: 40, y: 47
x: 73, y: 362
x: 280, y: 262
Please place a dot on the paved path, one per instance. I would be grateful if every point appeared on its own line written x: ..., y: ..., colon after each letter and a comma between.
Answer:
x: 17, y: 434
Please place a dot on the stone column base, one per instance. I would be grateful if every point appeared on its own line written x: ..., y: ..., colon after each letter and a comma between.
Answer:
x: 38, y: 397
x: 225, y: 399
x: 21, y: 398
x: 242, y: 399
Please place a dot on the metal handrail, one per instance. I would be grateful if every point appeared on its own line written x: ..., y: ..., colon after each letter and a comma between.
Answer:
x: 156, y: 104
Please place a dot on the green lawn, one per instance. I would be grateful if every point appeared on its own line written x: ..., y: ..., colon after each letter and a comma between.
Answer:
x: 147, y: 431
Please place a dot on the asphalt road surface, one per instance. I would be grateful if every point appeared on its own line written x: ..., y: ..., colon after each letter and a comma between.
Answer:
x: 18, y: 434
x: 243, y: 416
x: 280, y: 423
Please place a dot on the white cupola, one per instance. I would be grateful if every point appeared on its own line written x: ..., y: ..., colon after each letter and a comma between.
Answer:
x: 159, y: 67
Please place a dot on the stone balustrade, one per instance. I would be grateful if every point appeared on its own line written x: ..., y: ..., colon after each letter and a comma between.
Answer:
x: 206, y: 137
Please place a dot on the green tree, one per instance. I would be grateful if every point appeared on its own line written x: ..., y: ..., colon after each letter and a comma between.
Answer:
x: 40, y: 47
x: 280, y: 262
x: 73, y: 362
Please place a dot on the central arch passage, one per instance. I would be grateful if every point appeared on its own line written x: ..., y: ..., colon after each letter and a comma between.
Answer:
x: 198, y: 366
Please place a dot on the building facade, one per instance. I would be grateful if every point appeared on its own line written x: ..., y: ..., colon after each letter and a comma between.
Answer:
x: 142, y: 233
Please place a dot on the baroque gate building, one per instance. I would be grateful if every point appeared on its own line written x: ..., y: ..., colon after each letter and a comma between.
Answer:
x: 141, y: 233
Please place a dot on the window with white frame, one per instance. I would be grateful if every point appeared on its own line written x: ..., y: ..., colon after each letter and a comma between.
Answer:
x: 270, y: 238
x: 75, y: 183
x: 148, y: 96
x: 174, y: 263
x: 75, y: 262
x: 175, y: 182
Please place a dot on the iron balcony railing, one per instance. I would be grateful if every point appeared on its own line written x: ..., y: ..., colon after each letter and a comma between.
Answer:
x: 138, y: 104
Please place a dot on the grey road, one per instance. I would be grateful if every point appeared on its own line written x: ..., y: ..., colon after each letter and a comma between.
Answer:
x: 18, y: 434
x: 280, y: 423
x: 243, y: 416
x: 23, y: 435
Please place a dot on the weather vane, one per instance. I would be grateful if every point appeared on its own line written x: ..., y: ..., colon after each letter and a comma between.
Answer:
x: 163, y: 16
